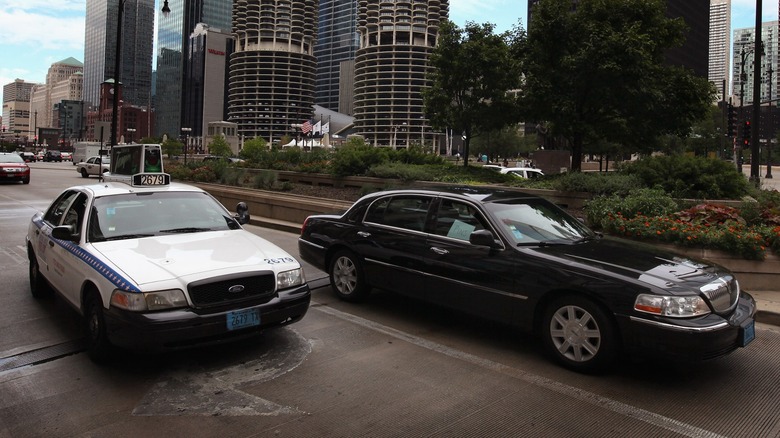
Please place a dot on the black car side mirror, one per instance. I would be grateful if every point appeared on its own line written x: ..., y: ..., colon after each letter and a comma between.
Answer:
x: 242, y: 213
x: 483, y: 238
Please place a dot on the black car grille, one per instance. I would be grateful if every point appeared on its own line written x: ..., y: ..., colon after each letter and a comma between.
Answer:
x: 214, y: 292
x: 722, y: 293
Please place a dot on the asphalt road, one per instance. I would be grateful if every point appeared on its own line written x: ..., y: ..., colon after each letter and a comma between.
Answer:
x: 390, y: 367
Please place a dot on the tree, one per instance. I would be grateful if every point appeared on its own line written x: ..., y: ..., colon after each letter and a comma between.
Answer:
x: 602, y: 76
x: 220, y: 147
x: 472, y: 73
x: 253, y: 149
x: 504, y: 143
x: 172, y: 147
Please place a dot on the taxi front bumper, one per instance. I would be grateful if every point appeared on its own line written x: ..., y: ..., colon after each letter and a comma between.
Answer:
x: 184, y: 328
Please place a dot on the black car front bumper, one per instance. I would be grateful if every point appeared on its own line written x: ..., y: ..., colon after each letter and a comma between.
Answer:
x: 184, y: 328
x: 691, y: 340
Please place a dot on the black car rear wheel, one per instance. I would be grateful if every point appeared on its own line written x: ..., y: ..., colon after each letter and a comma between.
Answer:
x: 579, y: 334
x: 346, y: 277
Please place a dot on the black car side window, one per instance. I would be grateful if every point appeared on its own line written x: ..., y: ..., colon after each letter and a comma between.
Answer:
x: 456, y: 220
x: 57, y: 210
x: 407, y: 212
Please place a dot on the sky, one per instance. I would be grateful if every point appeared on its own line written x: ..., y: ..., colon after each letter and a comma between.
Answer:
x: 34, y: 34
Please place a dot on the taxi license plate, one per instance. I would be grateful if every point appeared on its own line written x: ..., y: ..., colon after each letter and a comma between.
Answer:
x: 243, y: 318
x: 748, y: 333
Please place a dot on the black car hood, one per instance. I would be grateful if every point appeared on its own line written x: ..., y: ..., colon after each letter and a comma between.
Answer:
x: 642, y: 262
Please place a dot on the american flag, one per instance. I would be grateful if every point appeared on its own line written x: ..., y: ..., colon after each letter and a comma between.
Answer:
x: 306, y: 127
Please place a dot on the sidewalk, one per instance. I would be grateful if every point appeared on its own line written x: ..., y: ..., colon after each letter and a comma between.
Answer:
x: 768, y: 303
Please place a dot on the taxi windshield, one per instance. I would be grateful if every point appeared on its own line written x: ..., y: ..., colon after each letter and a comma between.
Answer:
x: 136, y: 215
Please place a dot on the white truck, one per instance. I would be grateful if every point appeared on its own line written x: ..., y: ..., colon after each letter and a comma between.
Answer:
x: 84, y: 149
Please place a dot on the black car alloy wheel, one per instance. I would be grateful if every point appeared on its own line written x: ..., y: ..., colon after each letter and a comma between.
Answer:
x: 346, y: 276
x: 579, y: 334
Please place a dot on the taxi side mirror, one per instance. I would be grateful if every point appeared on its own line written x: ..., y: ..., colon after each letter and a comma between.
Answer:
x: 242, y: 213
x: 65, y: 232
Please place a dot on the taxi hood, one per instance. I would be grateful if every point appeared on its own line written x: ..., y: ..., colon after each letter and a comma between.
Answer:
x: 191, y: 256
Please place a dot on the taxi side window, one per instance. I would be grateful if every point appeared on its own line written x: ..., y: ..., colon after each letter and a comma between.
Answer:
x: 57, y: 210
x: 75, y: 214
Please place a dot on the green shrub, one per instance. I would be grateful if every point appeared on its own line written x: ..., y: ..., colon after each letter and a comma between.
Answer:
x: 597, y: 183
x: 396, y: 170
x: 356, y: 159
x: 233, y: 176
x: 690, y: 177
x: 645, y: 202
x: 265, y: 179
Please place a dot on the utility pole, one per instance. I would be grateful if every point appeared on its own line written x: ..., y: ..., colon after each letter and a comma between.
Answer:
x: 755, y: 146
x: 772, y: 135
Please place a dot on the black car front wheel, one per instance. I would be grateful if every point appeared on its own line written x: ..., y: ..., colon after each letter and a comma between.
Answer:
x: 347, y: 278
x: 579, y: 334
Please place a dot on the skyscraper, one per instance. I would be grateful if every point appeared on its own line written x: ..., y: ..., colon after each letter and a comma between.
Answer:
x: 136, y: 49
x: 172, y: 40
x: 391, y: 68
x: 272, y: 69
x: 720, y: 44
x: 337, y: 42
x: 742, y: 71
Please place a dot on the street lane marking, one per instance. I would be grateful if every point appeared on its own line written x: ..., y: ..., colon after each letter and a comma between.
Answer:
x: 652, y: 418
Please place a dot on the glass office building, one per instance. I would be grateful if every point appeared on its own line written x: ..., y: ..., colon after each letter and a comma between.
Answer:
x: 337, y: 42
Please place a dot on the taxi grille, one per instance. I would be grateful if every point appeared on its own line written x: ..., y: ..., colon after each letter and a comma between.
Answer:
x: 223, y: 290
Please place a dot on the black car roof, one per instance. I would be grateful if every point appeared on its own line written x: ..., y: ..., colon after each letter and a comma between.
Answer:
x: 479, y: 194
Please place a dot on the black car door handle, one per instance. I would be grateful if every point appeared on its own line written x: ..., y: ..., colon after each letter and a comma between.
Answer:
x: 363, y: 234
x: 439, y: 251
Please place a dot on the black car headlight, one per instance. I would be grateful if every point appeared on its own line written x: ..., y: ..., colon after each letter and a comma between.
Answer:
x: 671, y: 306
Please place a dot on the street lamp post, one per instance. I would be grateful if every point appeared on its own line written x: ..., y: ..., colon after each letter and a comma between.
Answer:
x: 769, y: 140
x: 186, y: 132
x: 117, y: 75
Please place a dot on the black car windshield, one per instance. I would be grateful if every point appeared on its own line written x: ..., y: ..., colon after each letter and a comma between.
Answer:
x: 135, y: 215
x: 536, y: 221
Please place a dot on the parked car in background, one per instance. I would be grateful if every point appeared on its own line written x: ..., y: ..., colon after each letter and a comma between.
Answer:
x: 94, y: 166
x: 230, y: 160
x: 13, y: 168
x: 522, y: 172
x: 52, y: 155
x: 28, y: 157
x: 520, y: 260
x: 66, y: 156
x: 39, y: 156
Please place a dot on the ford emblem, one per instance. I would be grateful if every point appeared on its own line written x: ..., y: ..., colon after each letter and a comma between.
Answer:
x: 236, y: 289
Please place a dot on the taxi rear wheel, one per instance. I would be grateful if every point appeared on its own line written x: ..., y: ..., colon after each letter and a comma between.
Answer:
x: 38, y: 285
x: 98, y: 346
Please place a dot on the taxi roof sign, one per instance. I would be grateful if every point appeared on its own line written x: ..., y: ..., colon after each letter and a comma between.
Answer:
x: 130, y: 159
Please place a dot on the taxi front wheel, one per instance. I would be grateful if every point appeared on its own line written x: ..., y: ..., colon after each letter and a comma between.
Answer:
x: 38, y: 285
x: 98, y: 346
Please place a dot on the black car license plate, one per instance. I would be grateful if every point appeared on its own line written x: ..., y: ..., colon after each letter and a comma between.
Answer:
x: 243, y: 318
x: 748, y: 333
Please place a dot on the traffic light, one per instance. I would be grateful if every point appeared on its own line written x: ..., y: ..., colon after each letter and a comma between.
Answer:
x: 732, y: 121
x: 746, y: 132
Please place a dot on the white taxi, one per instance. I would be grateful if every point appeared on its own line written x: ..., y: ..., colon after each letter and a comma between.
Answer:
x: 156, y: 265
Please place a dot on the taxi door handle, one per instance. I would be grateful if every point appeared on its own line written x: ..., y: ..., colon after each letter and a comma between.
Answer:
x: 51, y: 244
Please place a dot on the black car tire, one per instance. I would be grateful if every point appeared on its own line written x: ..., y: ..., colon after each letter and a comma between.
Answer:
x: 84, y: 173
x: 99, y: 347
x: 26, y: 181
x: 38, y: 285
x: 347, y: 278
x: 579, y: 334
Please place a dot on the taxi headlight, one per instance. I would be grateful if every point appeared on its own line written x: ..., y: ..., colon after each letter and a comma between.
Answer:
x: 672, y: 306
x: 141, y: 302
x: 289, y: 279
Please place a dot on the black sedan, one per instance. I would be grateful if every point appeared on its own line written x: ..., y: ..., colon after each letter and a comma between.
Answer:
x: 520, y: 260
